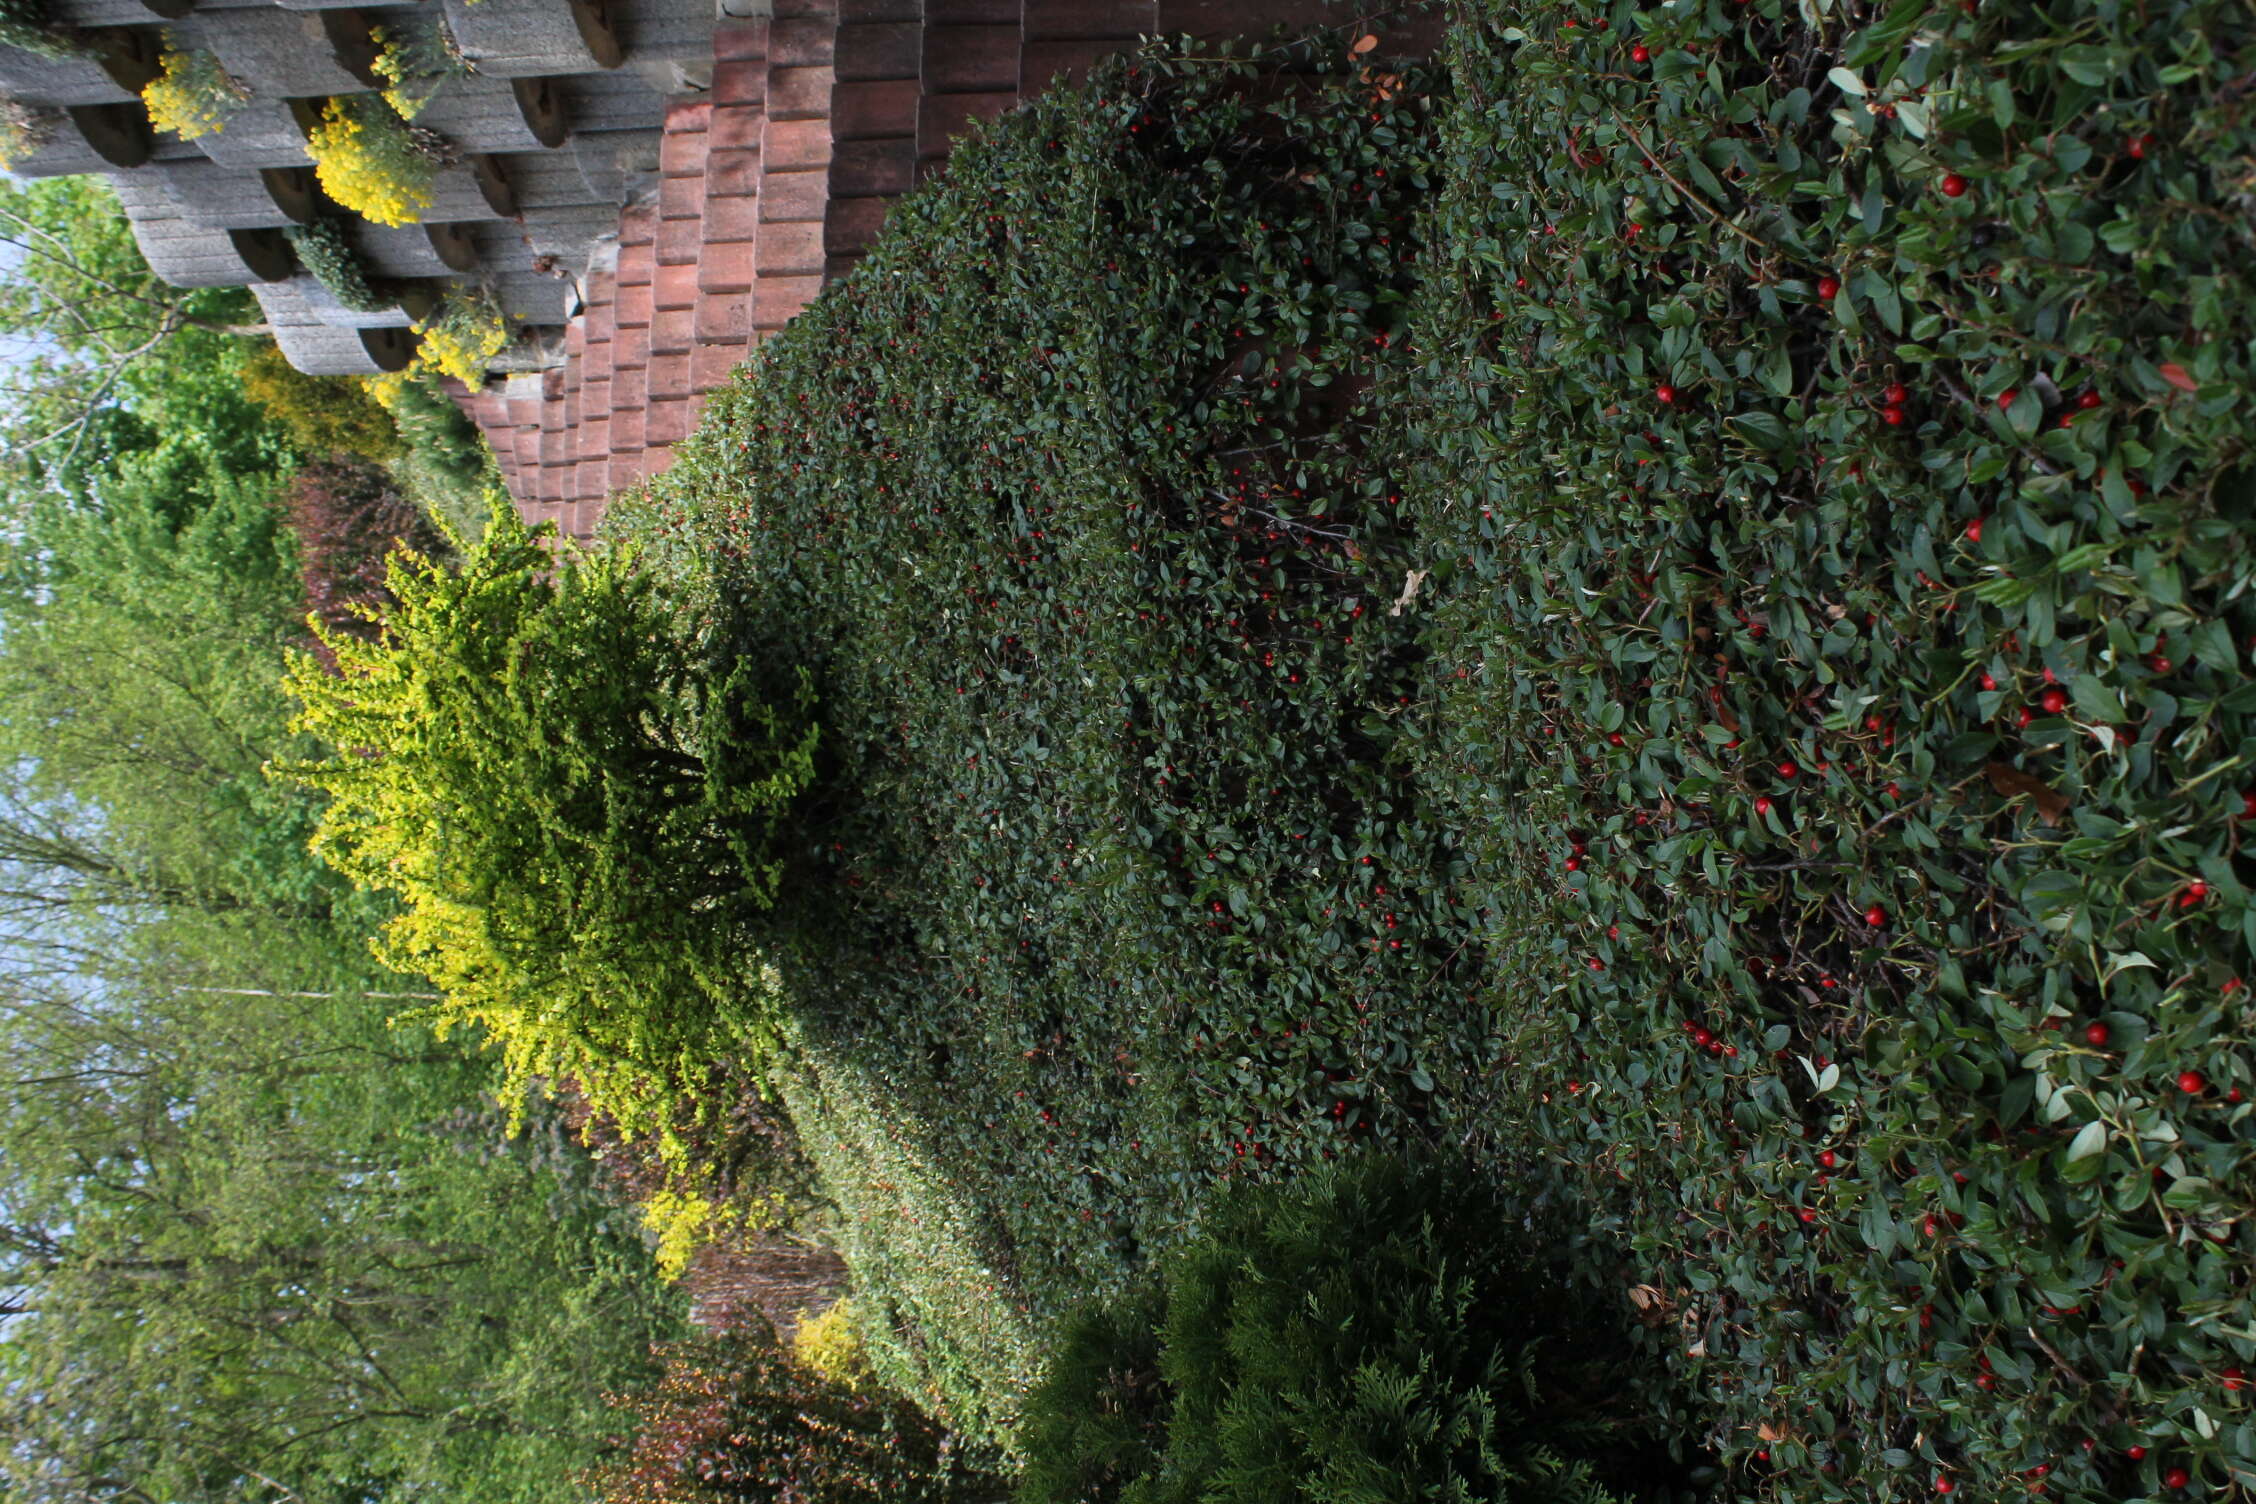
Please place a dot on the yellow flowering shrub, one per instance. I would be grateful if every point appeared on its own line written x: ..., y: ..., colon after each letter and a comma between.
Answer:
x: 371, y: 162
x: 829, y: 1344
x: 467, y: 332
x: 415, y: 62
x: 193, y: 94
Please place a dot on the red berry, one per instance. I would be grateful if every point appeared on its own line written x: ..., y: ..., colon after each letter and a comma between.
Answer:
x: 1639, y: 54
x: 2248, y: 804
x: 2136, y: 1454
x: 1945, y: 1486
x: 1989, y: 681
x: 1614, y: 738
x: 2088, y: 401
x: 2140, y: 146
x: 1896, y: 395
x: 1787, y: 770
x: 2195, y: 891
x: 2054, y: 701
x: 1876, y: 916
x: 2235, y: 1377
x: 1974, y: 531
x: 1829, y: 1159
x: 2176, y: 1477
x: 2021, y: 716
x: 2005, y: 398
x: 1892, y: 416
x: 2192, y: 1083
x: 1762, y: 806
x: 1829, y: 288
x: 1664, y: 393
x: 1953, y: 185
x: 2159, y: 664
x: 2095, y: 1035
x: 1930, y: 1226
x: 1807, y: 1215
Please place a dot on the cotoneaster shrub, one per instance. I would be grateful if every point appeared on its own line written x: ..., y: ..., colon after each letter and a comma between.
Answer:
x: 1829, y: 443
x: 1114, y: 890
x: 575, y: 802
x: 1369, y: 1332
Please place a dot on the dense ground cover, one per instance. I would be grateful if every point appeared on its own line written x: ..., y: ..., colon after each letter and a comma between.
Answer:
x: 1838, y: 437
x: 1662, y: 607
x: 1113, y: 892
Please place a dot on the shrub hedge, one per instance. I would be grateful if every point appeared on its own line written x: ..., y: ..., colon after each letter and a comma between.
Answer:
x: 1834, y: 435
x: 1109, y: 883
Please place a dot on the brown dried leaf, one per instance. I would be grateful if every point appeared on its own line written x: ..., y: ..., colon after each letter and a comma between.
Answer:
x: 1769, y: 1432
x: 1726, y: 719
x: 2011, y: 782
x: 2178, y: 376
x: 1363, y: 44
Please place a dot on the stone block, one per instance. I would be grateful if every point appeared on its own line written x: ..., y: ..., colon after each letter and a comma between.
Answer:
x: 732, y: 174
x: 725, y: 266
x: 714, y: 360
x: 776, y: 301
x: 730, y: 219
x: 862, y: 111
x: 944, y: 119
x: 676, y: 287
x: 971, y: 59
x: 787, y: 196
x: 1047, y: 20
x: 800, y: 93
x: 879, y: 51
x: 865, y: 168
x: 672, y: 332
x: 801, y: 42
x: 852, y: 223
x: 793, y: 144
x: 791, y: 248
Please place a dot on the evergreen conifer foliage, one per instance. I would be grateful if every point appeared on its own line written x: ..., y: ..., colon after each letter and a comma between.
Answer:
x: 1364, y: 1337
x: 540, y: 758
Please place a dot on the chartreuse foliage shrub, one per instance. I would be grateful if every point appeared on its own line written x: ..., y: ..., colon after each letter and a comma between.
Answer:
x: 1367, y: 1333
x: 736, y: 1419
x: 828, y: 1343
x: 321, y: 415
x: 1834, y: 437
x: 575, y: 808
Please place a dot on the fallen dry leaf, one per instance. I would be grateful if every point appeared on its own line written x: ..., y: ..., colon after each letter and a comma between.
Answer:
x: 2010, y: 781
x: 1363, y: 44
x: 2178, y: 376
x: 1410, y: 586
x: 1770, y: 1432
